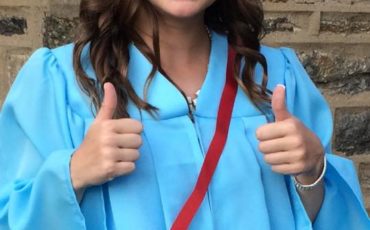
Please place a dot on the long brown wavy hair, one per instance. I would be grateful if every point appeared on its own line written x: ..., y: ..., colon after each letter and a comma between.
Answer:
x: 107, y: 28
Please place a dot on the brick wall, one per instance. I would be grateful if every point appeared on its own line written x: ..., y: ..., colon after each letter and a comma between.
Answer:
x: 332, y: 38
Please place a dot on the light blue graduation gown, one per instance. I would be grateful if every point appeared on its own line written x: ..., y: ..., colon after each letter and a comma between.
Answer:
x: 46, y: 115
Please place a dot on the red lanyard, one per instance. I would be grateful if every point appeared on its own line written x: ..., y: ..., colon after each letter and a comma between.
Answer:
x: 213, y: 155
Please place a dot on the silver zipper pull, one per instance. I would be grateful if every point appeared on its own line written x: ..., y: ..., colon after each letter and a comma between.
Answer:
x: 191, y: 108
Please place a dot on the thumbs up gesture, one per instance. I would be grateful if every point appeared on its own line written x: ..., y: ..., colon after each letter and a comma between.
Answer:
x: 110, y: 147
x: 288, y: 145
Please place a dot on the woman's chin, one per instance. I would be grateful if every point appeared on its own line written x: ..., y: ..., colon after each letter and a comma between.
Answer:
x: 185, y: 14
x: 183, y: 9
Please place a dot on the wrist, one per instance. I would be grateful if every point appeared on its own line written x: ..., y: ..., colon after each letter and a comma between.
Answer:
x: 312, y: 175
x: 77, y: 182
x: 305, y: 183
x: 77, y: 185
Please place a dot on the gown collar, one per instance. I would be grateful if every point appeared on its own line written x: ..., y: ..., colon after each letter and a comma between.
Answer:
x: 166, y: 97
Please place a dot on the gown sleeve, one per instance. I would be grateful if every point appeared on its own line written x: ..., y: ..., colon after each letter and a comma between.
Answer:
x: 343, y: 206
x: 35, y: 150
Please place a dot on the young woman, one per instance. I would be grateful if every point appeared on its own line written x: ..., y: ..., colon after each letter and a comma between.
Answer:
x: 119, y: 129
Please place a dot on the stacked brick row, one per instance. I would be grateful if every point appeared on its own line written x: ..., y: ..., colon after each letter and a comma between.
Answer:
x: 332, y: 38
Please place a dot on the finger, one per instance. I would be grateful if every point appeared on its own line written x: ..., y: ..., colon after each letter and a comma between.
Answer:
x: 109, y: 103
x: 289, y: 169
x: 123, y: 168
x: 127, y: 155
x: 275, y: 145
x: 126, y: 125
x: 289, y: 127
x: 271, y: 131
x: 128, y: 140
x: 278, y: 104
x: 279, y: 158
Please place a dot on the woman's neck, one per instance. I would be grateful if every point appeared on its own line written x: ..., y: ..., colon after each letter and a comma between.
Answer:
x: 184, y: 48
x: 176, y: 35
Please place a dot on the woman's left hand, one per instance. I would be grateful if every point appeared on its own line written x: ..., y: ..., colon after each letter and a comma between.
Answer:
x: 288, y: 145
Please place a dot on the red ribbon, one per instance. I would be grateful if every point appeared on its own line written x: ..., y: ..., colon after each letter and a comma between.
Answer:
x: 213, y: 155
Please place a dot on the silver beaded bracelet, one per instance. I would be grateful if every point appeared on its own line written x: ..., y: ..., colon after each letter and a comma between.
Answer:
x: 303, y: 187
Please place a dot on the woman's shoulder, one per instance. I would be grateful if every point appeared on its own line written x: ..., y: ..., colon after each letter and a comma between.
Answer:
x: 61, y: 57
x: 45, y: 63
x: 48, y: 68
x: 278, y: 56
x: 64, y: 54
x: 40, y: 76
x: 283, y: 65
x: 49, y: 72
x: 60, y: 52
x: 276, y: 64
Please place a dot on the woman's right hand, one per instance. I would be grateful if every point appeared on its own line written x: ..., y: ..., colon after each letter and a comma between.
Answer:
x: 110, y: 147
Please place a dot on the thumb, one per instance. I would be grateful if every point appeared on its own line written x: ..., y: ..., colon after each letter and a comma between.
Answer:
x: 109, y: 103
x: 278, y: 104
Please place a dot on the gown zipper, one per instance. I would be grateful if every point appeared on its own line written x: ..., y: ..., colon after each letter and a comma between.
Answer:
x: 191, y: 111
x: 191, y: 107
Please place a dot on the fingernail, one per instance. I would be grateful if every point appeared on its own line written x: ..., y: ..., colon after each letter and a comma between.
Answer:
x: 281, y: 85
